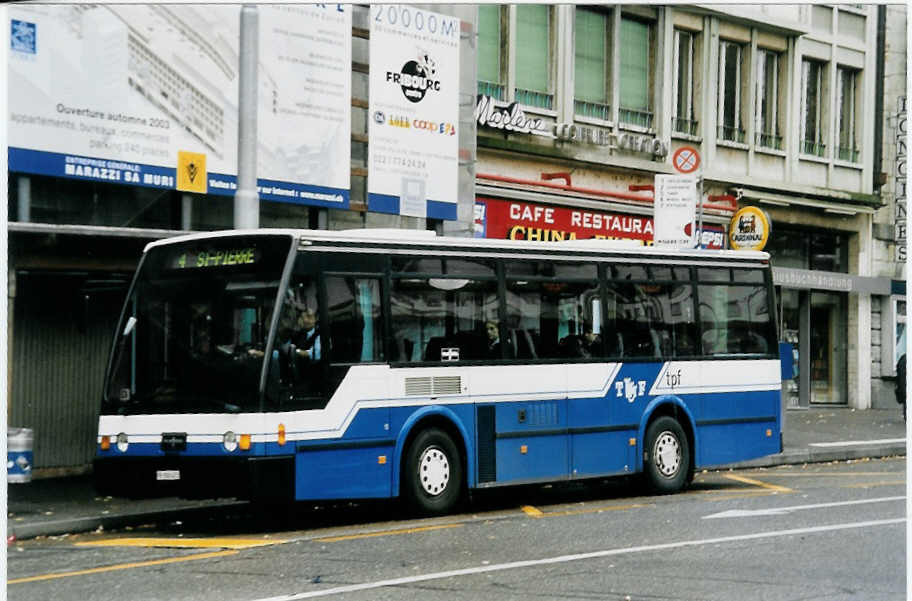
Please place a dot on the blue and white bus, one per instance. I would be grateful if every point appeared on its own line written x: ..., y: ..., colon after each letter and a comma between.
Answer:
x: 307, y: 365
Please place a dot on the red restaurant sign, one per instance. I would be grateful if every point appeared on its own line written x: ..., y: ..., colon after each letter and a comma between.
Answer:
x: 516, y: 220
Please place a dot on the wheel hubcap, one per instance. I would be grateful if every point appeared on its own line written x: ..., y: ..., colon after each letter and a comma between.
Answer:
x: 433, y: 471
x: 667, y: 454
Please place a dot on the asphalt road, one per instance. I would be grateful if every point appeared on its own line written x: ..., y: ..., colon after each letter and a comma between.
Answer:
x: 823, y: 531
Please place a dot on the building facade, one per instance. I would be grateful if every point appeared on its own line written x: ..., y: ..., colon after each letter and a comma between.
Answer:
x: 784, y: 107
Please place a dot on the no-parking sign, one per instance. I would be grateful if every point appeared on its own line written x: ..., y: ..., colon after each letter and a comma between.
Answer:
x: 685, y: 159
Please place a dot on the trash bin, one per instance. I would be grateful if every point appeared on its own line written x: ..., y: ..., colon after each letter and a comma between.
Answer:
x: 19, y: 455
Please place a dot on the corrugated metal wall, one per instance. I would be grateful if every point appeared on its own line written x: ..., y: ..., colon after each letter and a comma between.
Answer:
x: 60, y: 346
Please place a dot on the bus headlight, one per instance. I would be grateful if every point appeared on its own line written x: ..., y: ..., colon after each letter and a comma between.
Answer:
x: 122, y: 442
x: 230, y: 441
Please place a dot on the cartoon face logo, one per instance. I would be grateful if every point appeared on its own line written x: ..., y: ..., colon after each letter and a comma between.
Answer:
x: 416, y: 77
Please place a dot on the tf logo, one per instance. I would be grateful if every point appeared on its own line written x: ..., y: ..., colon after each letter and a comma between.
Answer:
x: 630, y: 389
x: 191, y: 172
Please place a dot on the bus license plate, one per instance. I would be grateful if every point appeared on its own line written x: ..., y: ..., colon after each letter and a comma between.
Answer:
x: 168, y: 475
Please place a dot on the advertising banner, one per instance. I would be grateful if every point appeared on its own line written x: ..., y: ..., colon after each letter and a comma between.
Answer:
x: 517, y: 220
x: 675, y: 210
x: 147, y: 95
x: 413, y: 154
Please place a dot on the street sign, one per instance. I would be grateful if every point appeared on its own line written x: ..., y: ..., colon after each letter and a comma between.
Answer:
x: 675, y: 207
x: 685, y: 159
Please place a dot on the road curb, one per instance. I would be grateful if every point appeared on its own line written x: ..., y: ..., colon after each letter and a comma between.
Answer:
x: 818, y: 455
x: 60, y: 527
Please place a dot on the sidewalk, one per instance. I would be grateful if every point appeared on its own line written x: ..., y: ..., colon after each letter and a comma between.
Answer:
x: 67, y: 505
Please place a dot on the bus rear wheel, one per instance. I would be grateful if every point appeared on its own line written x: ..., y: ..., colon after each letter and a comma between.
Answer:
x: 432, y: 480
x: 666, y: 456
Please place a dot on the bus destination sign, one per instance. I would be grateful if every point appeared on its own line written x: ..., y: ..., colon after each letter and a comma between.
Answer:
x: 196, y: 259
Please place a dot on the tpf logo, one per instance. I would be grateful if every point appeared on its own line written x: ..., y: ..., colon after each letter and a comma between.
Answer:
x: 630, y: 389
x: 416, y: 77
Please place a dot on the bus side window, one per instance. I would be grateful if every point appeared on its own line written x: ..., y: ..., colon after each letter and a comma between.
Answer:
x: 356, y: 327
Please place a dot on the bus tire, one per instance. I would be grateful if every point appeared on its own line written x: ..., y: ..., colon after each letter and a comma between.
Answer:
x: 666, y: 456
x: 432, y: 480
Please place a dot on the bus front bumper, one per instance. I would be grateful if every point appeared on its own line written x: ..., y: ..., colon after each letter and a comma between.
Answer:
x: 253, y: 478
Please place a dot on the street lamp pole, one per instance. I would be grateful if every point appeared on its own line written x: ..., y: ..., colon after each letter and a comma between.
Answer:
x: 246, y: 199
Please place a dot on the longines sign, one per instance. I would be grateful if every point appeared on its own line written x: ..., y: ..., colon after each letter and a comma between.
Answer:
x: 510, y: 117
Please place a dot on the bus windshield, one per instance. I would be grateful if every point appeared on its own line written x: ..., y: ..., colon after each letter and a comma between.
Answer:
x: 193, y: 335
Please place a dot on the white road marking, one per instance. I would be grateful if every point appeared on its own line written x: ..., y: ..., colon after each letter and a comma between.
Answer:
x: 340, y: 590
x: 856, y: 443
x: 743, y: 513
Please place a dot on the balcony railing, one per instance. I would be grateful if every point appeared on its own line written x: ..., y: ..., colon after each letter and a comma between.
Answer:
x: 635, y: 117
x: 813, y: 148
x: 592, y: 109
x: 731, y: 134
x: 685, y: 126
x: 541, y: 100
x: 847, y: 154
x: 494, y: 90
x: 769, y: 141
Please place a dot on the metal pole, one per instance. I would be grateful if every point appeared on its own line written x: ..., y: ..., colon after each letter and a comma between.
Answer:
x: 246, y: 199
x: 699, y: 234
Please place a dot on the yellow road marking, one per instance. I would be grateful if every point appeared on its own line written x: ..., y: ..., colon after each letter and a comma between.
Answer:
x: 335, y: 539
x: 596, y: 509
x: 183, y: 543
x: 766, y: 485
x: 537, y: 513
x: 122, y: 566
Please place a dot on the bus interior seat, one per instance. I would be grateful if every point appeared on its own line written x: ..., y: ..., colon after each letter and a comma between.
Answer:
x: 522, y: 344
x: 401, y: 349
x: 640, y: 340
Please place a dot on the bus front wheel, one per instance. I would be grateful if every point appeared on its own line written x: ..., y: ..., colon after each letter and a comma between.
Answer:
x: 666, y: 456
x: 432, y: 477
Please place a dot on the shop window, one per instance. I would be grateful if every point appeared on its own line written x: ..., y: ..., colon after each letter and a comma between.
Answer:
x: 683, y: 119
x: 767, y: 100
x: 533, y: 56
x: 592, y: 79
x: 490, y: 63
x: 809, y: 249
x: 812, y: 113
x: 731, y: 128
x: 635, y: 48
x: 847, y: 116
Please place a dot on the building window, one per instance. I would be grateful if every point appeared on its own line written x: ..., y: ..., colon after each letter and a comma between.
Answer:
x: 490, y: 68
x: 592, y: 79
x: 812, y: 135
x: 730, y: 125
x: 635, y: 76
x: 533, y: 56
x: 683, y: 119
x: 767, y: 123
x: 846, y: 124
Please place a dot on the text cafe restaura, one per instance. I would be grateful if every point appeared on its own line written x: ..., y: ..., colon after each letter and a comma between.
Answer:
x: 516, y: 220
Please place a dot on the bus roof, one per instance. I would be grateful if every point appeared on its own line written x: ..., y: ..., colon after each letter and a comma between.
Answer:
x: 427, y: 238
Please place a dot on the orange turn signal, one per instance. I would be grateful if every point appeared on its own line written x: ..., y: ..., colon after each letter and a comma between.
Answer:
x: 281, y: 434
x: 105, y: 443
x: 244, y: 442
